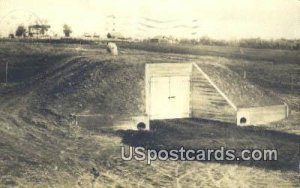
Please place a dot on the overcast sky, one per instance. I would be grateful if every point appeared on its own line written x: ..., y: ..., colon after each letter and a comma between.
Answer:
x: 220, y: 19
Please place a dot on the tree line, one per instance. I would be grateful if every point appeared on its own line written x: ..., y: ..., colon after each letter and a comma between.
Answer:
x: 289, y: 44
x: 40, y: 29
x: 247, y: 43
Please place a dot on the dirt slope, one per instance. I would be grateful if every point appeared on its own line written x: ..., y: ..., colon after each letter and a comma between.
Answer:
x: 85, y: 85
x: 240, y: 91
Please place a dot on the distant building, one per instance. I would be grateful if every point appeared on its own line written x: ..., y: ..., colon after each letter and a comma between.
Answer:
x: 91, y: 36
x: 87, y: 35
x: 37, y: 30
x: 155, y: 40
x: 96, y: 36
x: 164, y: 39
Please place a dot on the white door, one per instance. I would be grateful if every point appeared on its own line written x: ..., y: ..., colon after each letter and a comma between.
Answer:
x: 169, y: 97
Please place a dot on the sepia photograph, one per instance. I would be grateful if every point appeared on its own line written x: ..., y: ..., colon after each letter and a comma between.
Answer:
x: 140, y: 93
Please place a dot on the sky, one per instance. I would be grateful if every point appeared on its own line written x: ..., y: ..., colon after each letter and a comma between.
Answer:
x: 218, y: 19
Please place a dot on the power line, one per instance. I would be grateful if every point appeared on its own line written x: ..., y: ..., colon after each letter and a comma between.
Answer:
x: 158, y: 21
x: 148, y: 25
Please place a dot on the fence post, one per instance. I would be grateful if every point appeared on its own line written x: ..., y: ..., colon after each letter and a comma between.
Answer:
x: 292, y: 84
x: 6, y: 71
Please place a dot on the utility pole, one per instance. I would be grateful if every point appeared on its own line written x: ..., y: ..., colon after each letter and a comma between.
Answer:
x: 114, y: 23
x: 194, y: 28
x: 111, y: 23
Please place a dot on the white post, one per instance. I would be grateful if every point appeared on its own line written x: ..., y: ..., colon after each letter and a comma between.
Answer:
x: 6, y: 72
x: 292, y: 83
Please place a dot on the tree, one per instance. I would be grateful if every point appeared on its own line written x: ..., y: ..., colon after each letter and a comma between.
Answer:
x: 67, y: 30
x: 108, y: 35
x: 44, y: 29
x: 21, y: 31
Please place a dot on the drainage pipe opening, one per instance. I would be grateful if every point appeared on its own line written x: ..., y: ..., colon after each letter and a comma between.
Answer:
x: 141, y: 126
x: 243, y: 120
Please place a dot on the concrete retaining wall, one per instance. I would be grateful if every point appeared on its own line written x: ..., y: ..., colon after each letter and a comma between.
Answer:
x: 115, y: 122
x: 261, y: 115
x: 168, y: 69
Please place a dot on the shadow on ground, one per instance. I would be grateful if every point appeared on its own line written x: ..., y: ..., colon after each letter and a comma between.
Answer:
x: 202, y: 134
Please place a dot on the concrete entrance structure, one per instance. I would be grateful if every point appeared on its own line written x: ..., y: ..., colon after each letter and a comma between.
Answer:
x: 184, y: 90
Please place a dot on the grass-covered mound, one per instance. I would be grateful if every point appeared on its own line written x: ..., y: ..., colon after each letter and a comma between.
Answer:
x: 239, y: 90
x: 87, y: 85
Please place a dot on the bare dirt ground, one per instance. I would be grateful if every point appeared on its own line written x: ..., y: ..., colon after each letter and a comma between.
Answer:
x: 41, y: 147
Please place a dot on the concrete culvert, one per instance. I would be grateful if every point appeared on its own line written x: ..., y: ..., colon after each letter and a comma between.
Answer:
x: 243, y: 120
x: 141, y: 126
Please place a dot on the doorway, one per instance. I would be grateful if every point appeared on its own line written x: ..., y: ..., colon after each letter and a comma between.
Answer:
x: 169, y: 97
